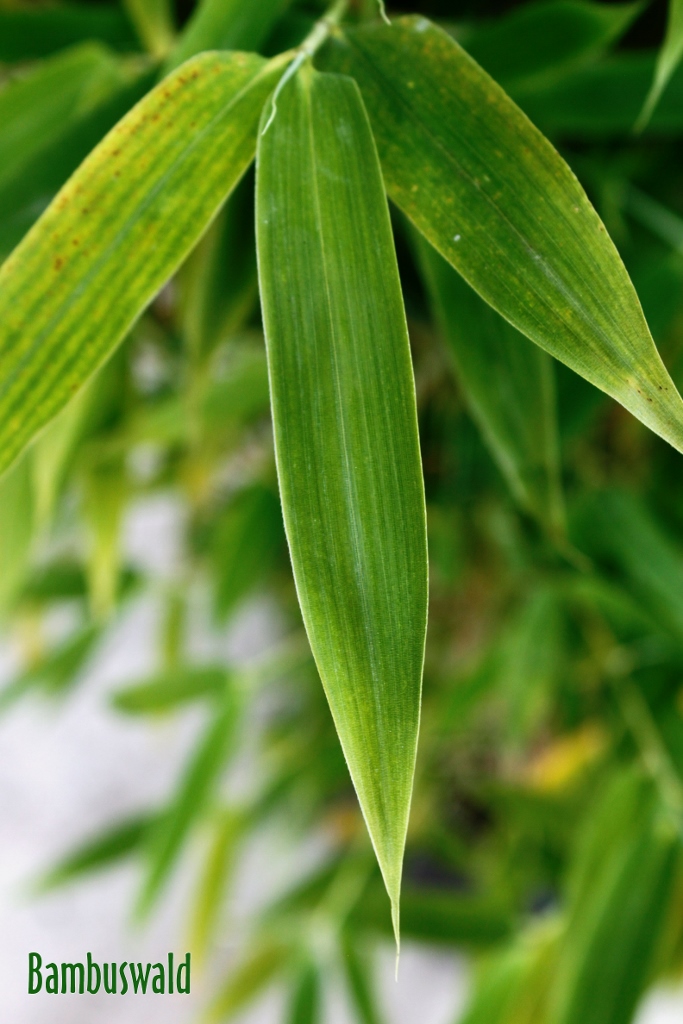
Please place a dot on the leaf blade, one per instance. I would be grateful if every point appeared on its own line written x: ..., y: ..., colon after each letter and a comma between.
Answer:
x: 347, y: 454
x: 499, y: 203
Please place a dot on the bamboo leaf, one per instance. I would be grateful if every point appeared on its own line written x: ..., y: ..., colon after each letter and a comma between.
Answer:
x: 358, y: 972
x: 153, y: 21
x: 346, y: 436
x: 195, y: 788
x: 215, y: 878
x: 509, y: 386
x: 268, y: 957
x: 667, y: 61
x: 226, y: 25
x: 304, y: 1003
x: 16, y: 529
x: 117, y: 230
x: 169, y: 690
x: 28, y: 32
x: 500, y: 204
x: 116, y: 842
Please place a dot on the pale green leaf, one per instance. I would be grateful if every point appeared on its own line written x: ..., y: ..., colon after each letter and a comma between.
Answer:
x: 358, y: 970
x: 17, y: 518
x: 500, y: 204
x: 105, y: 493
x: 509, y: 386
x: 667, y: 61
x: 118, y: 229
x: 153, y: 21
x: 346, y: 436
x: 215, y: 879
x: 267, y: 958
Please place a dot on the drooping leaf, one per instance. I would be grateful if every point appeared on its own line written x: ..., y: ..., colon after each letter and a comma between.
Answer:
x: 508, y: 383
x: 117, y: 230
x: 541, y: 41
x: 108, y: 848
x: 667, y: 61
x: 195, y: 788
x: 28, y: 32
x: 170, y: 690
x: 226, y: 25
x: 346, y: 435
x: 499, y: 203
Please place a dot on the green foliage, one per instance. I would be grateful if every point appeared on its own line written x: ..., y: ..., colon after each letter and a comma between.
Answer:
x: 458, y: 346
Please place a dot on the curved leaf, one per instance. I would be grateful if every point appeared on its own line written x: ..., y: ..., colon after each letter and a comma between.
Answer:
x: 346, y: 436
x: 118, y: 229
x: 499, y: 203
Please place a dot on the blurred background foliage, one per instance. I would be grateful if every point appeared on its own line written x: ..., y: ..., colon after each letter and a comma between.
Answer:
x: 546, y: 831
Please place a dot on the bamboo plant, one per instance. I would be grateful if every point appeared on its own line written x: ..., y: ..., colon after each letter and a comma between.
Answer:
x: 302, y: 267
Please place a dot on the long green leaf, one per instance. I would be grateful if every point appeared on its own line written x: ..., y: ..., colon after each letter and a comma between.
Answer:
x: 668, y: 60
x: 118, y: 229
x: 17, y: 515
x: 499, y: 203
x: 346, y: 436
x: 110, y: 846
x: 508, y: 383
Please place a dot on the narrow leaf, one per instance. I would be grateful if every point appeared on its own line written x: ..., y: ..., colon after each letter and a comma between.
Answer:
x: 509, y: 385
x: 153, y: 21
x: 16, y: 529
x: 304, y: 1003
x: 346, y: 436
x: 667, y: 61
x: 117, y: 230
x: 500, y: 204
x: 169, y: 690
x: 196, y: 786
x: 108, y: 848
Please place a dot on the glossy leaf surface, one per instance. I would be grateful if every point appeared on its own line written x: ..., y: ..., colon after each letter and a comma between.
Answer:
x: 500, y: 204
x: 117, y: 230
x: 346, y: 435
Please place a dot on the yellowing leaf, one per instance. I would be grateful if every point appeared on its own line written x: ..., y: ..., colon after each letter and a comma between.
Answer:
x: 500, y: 204
x: 346, y: 439
x: 118, y: 229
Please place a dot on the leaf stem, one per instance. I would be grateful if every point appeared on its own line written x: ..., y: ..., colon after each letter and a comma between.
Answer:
x: 305, y: 51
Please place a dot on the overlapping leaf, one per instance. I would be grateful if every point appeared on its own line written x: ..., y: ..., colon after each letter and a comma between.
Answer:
x: 499, y: 203
x: 118, y: 230
x: 346, y: 435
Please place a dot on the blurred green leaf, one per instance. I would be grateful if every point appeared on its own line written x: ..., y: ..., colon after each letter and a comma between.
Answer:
x: 603, y: 100
x: 228, y: 828
x: 196, y: 786
x: 304, y: 1002
x: 118, y: 230
x: 667, y: 61
x: 154, y: 24
x: 226, y: 25
x: 110, y: 846
x: 616, y: 530
x: 58, y: 670
x: 346, y: 435
x: 358, y: 972
x: 541, y: 41
x: 508, y: 383
x: 167, y: 691
x: 247, y: 541
x: 493, y: 196
x: 622, y: 883
x: 105, y: 492
x: 31, y: 31
x: 268, y: 957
